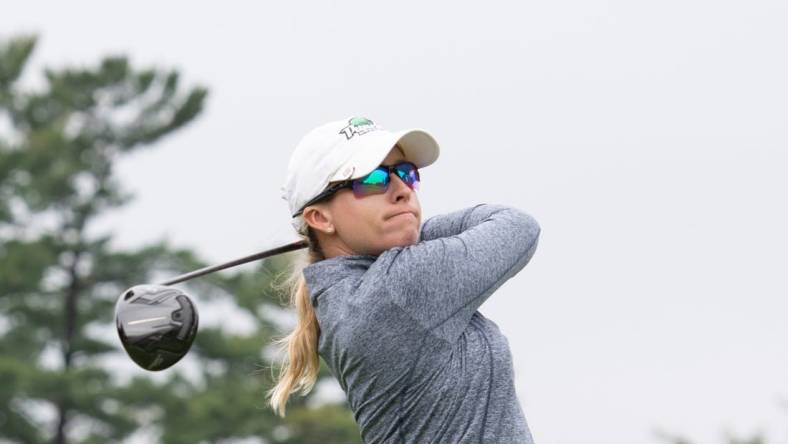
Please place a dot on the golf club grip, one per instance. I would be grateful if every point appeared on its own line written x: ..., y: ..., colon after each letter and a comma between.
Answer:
x: 253, y: 257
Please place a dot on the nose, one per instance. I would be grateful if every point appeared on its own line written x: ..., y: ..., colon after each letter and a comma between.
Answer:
x: 398, y: 188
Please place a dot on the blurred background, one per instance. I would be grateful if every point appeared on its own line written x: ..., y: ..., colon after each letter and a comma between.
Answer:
x: 142, y: 140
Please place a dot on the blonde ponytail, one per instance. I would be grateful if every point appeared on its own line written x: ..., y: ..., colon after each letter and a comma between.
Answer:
x: 301, y: 365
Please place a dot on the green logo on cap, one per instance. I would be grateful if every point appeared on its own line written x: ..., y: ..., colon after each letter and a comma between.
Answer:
x: 358, y: 125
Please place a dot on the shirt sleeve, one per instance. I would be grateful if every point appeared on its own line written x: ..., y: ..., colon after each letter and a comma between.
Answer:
x: 460, y: 260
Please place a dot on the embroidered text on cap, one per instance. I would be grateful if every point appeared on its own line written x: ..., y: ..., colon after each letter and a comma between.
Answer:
x: 358, y: 125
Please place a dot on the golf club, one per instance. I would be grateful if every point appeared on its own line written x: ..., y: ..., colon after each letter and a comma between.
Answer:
x: 157, y: 323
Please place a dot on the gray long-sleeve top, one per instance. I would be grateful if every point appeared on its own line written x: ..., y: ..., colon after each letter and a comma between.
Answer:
x: 402, y: 334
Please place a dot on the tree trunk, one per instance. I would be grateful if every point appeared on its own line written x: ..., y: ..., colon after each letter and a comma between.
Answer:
x: 70, y: 311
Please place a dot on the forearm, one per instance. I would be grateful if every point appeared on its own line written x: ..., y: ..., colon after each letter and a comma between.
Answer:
x: 455, y: 222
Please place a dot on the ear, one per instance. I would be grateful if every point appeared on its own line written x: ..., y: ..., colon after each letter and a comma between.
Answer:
x: 319, y: 218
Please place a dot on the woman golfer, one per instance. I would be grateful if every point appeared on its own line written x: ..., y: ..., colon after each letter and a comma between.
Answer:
x: 390, y: 303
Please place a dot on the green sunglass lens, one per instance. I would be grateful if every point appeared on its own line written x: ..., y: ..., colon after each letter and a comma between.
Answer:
x: 372, y: 183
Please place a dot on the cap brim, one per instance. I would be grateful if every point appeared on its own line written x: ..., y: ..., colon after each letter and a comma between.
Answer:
x: 418, y: 145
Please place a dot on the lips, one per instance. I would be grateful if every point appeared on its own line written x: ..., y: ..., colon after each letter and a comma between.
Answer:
x: 402, y: 213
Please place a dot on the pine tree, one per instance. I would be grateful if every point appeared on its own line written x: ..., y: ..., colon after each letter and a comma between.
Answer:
x: 59, y: 283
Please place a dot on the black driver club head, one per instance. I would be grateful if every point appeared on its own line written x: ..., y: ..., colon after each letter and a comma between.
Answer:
x: 156, y: 324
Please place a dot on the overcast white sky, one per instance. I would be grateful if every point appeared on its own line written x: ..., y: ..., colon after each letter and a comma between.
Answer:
x: 649, y: 139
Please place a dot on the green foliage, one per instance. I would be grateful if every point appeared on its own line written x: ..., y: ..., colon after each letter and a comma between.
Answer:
x: 59, y: 284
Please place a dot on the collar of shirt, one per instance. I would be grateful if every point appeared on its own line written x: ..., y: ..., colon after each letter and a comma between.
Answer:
x: 325, y: 273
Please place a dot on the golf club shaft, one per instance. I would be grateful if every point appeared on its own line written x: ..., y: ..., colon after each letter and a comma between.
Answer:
x: 253, y: 257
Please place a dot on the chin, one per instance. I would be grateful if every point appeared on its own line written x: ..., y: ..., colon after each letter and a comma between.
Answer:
x: 409, y: 238
x: 401, y: 236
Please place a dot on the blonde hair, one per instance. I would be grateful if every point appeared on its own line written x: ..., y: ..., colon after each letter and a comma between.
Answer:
x: 301, y: 365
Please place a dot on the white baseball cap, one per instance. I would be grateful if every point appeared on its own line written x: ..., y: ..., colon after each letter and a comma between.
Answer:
x: 343, y: 150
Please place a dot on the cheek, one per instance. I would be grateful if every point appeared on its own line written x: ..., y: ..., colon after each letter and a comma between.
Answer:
x: 360, y: 218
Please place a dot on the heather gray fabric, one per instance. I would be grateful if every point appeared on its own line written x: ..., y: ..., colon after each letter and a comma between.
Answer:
x: 402, y: 334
